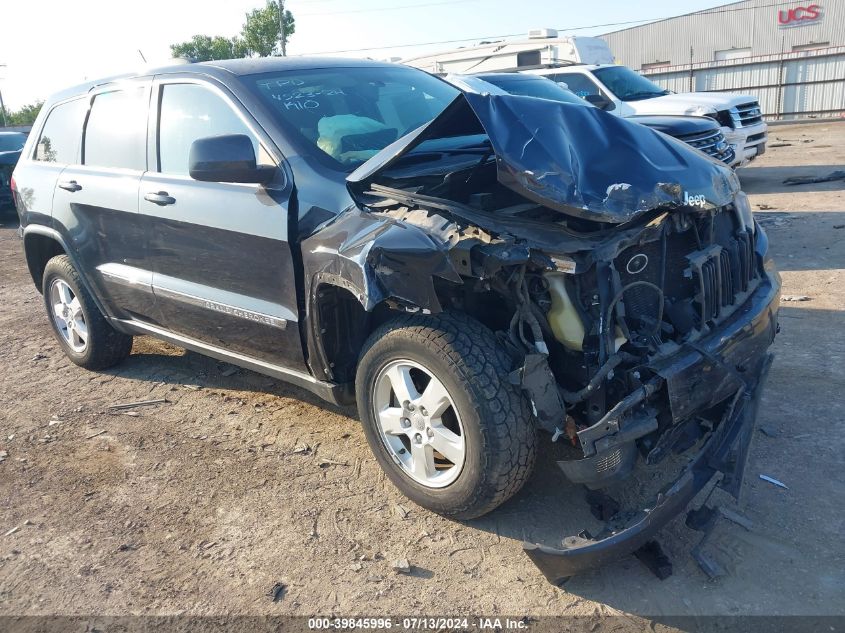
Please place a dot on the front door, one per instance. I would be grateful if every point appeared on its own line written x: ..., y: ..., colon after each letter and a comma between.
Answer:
x: 585, y: 85
x: 222, y: 267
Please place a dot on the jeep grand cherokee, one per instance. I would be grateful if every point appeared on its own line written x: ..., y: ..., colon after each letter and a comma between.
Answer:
x: 478, y: 272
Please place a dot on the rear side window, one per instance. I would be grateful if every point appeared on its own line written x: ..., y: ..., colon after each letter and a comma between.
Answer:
x: 116, y: 133
x: 540, y: 87
x: 189, y: 112
x: 59, y: 141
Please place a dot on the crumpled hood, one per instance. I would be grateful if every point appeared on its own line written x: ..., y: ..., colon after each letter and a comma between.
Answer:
x: 580, y: 161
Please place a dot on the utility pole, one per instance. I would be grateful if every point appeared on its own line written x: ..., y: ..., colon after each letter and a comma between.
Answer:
x: 283, y: 37
x: 2, y: 106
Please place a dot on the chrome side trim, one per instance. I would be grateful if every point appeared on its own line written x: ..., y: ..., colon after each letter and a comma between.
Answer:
x: 216, y: 306
x: 127, y: 275
x: 223, y: 301
x: 140, y: 278
x: 340, y: 394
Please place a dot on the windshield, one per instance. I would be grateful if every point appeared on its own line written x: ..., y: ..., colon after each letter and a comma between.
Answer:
x: 535, y: 87
x: 12, y: 142
x: 347, y: 115
x: 628, y: 85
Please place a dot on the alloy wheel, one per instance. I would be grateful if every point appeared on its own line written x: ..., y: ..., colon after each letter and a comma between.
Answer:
x: 419, y: 423
x: 68, y: 316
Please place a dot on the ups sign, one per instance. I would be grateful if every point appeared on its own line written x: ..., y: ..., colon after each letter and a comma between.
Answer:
x: 799, y: 16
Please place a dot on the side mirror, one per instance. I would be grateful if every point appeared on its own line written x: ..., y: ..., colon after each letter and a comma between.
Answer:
x: 226, y: 158
x: 600, y: 101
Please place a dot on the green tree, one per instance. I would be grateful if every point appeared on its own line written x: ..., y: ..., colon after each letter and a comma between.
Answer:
x: 259, y: 37
x: 261, y: 30
x: 25, y: 116
x: 203, y: 48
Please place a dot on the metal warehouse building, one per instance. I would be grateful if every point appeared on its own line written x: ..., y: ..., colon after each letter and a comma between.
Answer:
x: 790, y: 55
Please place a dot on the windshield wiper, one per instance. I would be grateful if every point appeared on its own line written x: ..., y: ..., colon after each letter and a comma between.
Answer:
x: 479, y: 165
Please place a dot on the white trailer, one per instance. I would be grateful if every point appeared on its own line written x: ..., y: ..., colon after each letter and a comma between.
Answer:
x: 543, y: 48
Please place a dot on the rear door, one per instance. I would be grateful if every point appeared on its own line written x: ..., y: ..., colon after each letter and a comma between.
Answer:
x: 223, y: 270
x: 96, y: 200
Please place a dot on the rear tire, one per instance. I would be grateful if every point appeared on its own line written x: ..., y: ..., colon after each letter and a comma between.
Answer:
x: 488, y: 426
x: 84, y: 334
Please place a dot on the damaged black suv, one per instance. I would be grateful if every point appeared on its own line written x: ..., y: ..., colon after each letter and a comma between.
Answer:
x: 476, y: 271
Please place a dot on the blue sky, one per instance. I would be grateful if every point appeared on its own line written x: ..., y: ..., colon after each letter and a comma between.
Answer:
x: 55, y: 43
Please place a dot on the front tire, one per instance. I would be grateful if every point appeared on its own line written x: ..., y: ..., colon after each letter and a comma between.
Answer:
x: 441, y: 416
x: 82, y: 331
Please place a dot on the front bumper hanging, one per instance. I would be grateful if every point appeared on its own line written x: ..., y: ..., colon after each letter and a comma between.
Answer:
x: 725, y: 451
x: 695, y: 380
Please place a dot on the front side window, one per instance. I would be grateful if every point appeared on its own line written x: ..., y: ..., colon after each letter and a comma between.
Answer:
x: 628, y: 85
x: 578, y: 83
x: 189, y: 112
x: 59, y: 141
x: 347, y: 115
x: 116, y: 132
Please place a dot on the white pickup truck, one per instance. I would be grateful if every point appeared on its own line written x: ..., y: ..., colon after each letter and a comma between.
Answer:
x: 586, y: 65
x: 625, y: 93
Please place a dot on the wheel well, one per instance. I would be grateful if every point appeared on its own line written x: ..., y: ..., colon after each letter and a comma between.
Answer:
x: 341, y: 327
x: 39, y: 250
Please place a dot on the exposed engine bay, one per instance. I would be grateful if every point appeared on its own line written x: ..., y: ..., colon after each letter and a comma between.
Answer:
x: 589, y: 335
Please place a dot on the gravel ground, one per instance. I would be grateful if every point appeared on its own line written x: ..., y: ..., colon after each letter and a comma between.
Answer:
x: 203, y: 504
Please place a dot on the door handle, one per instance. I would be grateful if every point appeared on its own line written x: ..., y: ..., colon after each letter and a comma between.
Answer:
x: 161, y: 198
x: 70, y: 185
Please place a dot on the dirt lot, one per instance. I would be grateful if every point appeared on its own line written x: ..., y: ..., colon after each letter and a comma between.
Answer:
x: 203, y: 504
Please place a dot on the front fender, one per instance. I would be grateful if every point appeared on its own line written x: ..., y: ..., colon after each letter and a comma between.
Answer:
x: 378, y: 258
